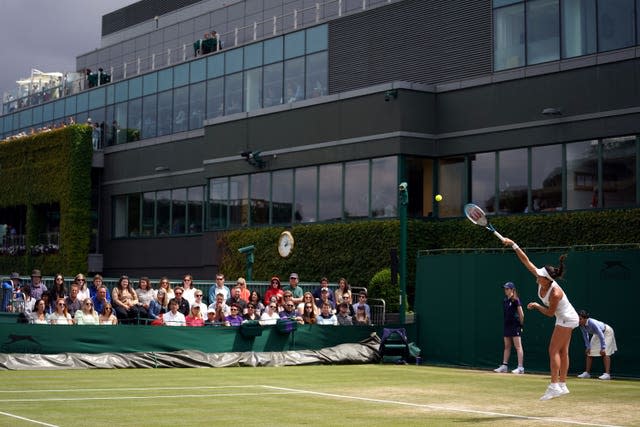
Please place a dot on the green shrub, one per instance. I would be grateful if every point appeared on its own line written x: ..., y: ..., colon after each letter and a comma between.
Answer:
x: 380, y: 287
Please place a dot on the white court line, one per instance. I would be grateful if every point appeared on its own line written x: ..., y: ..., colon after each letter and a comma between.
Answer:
x: 67, y: 390
x: 439, y: 408
x: 164, y: 396
x: 27, y: 419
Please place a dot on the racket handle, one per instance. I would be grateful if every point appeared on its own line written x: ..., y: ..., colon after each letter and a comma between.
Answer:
x: 498, y: 235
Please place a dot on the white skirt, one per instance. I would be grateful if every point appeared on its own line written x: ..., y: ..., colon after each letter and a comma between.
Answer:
x: 609, y: 343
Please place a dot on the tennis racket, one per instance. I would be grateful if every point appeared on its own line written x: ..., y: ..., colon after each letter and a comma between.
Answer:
x: 478, y: 217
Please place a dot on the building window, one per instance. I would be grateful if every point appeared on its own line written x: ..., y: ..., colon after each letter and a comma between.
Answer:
x: 546, y: 178
x: 615, y: 24
x: 134, y: 120
x: 272, y: 83
x: 330, y: 192
x: 306, y: 194
x: 582, y: 173
x: 282, y: 196
x: 317, y: 72
x: 356, y: 189
x: 508, y: 23
x: 253, y: 89
x: 218, y: 203
x: 233, y: 94
x: 195, y: 200
x: 181, y: 109
x: 452, y: 183
x: 239, y: 201
x: 260, y: 197
x: 149, y: 108
x: 619, y: 174
x: 148, y: 214
x: 197, y: 100
x: 165, y: 113
x: 543, y: 31
x: 215, y: 98
x: 483, y: 180
x: 163, y: 213
x: 294, y: 80
x: 578, y: 27
x: 512, y: 181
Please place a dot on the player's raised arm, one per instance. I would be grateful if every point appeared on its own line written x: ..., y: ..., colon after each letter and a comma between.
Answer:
x: 521, y: 255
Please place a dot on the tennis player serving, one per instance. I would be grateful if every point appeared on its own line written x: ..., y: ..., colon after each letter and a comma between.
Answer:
x: 556, y: 303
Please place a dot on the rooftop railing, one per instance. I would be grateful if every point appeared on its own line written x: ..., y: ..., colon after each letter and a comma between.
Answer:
x: 73, y: 82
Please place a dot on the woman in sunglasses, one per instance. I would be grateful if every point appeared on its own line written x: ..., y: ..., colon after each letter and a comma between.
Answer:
x: 87, y: 315
x: 61, y: 316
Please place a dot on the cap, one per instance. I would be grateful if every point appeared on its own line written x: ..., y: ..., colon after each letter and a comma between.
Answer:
x: 293, y: 276
x: 36, y: 273
x: 276, y: 278
x: 542, y: 272
x: 324, y: 290
x: 14, y: 275
x: 509, y: 285
x: 211, y: 310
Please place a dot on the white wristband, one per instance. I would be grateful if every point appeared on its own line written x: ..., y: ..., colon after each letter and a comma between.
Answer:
x: 515, y: 246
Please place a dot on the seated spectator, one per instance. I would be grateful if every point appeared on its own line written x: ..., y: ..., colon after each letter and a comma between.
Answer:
x: 251, y: 313
x: 235, y: 317
x: 309, y: 315
x: 244, y: 292
x: 270, y: 315
x: 189, y: 290
x: 343, y: 289
x: 347, y: 298
x: 166, y: 285
x: 101, y: 299
x: 361, y: 317
x: 326, y: 316
x: 344, y: 319
x: 219, y: 287
x: 73, y: 302
x: 83, y: 288
x: 324, y: 298
x: 61, y: 316
x: 183, y: 304
x: 57, y: 291
x: 195, y: 317
x: 308, y: 299
x: 198, y: 295
x: 106, y: 315
x: 95, y: 285
x: 236, y: 299
x: 173, y: 317
x: 274, y: 290
x: 289, y: 312
x: 159, y: 305
x: 255, y: 299
x: 125, y: 302
x: 145, y: 292
x: 295, y: 290
x: 215, y: 317
x: 29, y: 301
x: 219, y: 303
x: 39, y: 315
x: 317, y: 292
x: 87, y: 315
x: 362, y: 301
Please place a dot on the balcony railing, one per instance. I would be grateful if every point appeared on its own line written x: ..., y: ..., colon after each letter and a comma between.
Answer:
x: 16, y: 244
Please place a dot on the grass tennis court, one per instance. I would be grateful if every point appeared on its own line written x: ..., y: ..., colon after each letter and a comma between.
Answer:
x: 354, y: 395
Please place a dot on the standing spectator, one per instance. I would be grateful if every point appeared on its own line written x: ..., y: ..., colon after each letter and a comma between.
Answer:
x: 173, y: 317
x: 37, y: 287
x: 73, y: 302
x: 296, y: 291
x: 344, y: 319
x: 189, y: 290
x: 556, y: 303
x: 513, y: 319
x: 326, y: 317
x: 83, y: 289
x: 183, y: 304
x: 602, y: 343
x: 343, y: 290
x: 273, y: 291
x: 217, y: 288
x: 61, y: 316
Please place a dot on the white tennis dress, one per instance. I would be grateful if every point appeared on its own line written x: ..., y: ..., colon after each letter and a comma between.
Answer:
x: 566, y: 315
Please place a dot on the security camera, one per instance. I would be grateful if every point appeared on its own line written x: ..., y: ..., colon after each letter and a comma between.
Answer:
x: 246, y: 249
x: 402, y: 186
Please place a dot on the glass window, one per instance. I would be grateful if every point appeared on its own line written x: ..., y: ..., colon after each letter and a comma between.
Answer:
x: 273, y: 84
x: 294, y: 80
x: 163, y: 212
x: 148, y: 213
x: 121, y: 123
x: 82, y: 102
x: 58, y: 109
x: 134, y: 120
x: 150, y: 84
x: 120, y: 223
x: 96, y: 98
x: 282, y: 196
x: 197, y: 99
x: 47, y: 112
x: 133, y: 219
x: 356, y: 189
x: 483, y: 181
x: 111, y: 94
x: 233, y: 94
x: 508, y: 25
x: 582, y: 174
x: 198, y: 71
x: 578, y: 27
x: 37, y: 115
x: 317, y: 39
x: 543, y: 31
x: 149, y: 111
x: 317, y: 72
x: 195, y: 197
x: 239, y: 200
x: 178, y: 210
x: 218, y: 202
x: 615, y: 24
x: 215, y: 66
x: 165, y: 112
x: 273, y: 50
x: 294, y: 45
x: 452, y: 183
x: 233, y: 61
x: 498, y: 3
x: 260, y: 198
x: 70, y: 105
x: 135, y: 87
x: 619, y: 172
x: 215, y: 98
x: 306, y: 194
x: 181, y: 75
x: 330, y: 192
x: 513, y: 181
x: 181, y: 109
x: 253, y: 56
x: 165, y: 79
x: 122, y: 91
x: 25, y: 118
x: 253, y: 89
x: 384, y: 184
x: 546, y: 178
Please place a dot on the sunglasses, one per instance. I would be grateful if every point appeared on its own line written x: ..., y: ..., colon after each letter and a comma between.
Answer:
x: 178, y: 293
x: 196, y: 307
x: 61, y: 304
x: 234, y: 309
x: 88, y: 303
x: 289, y: 305
x: 272, y: 306
x: 198, y: 295
x: 308, y: 306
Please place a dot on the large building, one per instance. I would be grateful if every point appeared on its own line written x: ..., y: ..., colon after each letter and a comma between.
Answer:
x: 315, y: 111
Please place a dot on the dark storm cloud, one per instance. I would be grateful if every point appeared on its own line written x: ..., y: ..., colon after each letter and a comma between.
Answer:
x: 48, y: 35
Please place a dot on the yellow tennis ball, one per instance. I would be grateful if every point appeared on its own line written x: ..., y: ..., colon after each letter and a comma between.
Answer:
x: 438, y: 197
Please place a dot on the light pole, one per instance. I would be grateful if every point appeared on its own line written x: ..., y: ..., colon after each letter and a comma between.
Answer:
x: 403, y: 195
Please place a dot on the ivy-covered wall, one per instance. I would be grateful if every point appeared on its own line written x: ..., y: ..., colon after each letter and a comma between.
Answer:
x: 44, y: 168
x: 359, y: 250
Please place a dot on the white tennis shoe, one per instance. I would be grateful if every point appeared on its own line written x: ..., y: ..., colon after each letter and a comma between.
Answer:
x: 519, y: 370
x: 501, y: 369
x: 552, y: 392
x: 585, y: 374
x: 604, y: 376
x: 563, y: 388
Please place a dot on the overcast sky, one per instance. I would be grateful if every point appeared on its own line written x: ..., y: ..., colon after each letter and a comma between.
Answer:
x: 48, y: 35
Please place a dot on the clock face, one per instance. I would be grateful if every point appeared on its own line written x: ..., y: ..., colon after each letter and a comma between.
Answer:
x: 285, y: 244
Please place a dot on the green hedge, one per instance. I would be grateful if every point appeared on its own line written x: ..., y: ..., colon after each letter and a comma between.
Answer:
x: 50, y: 167
x: 359, y: 250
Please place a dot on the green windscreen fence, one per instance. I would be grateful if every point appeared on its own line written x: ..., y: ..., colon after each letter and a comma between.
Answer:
x: 458, y: 302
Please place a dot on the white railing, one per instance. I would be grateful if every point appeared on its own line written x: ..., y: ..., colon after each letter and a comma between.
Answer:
x: 72, y: 84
